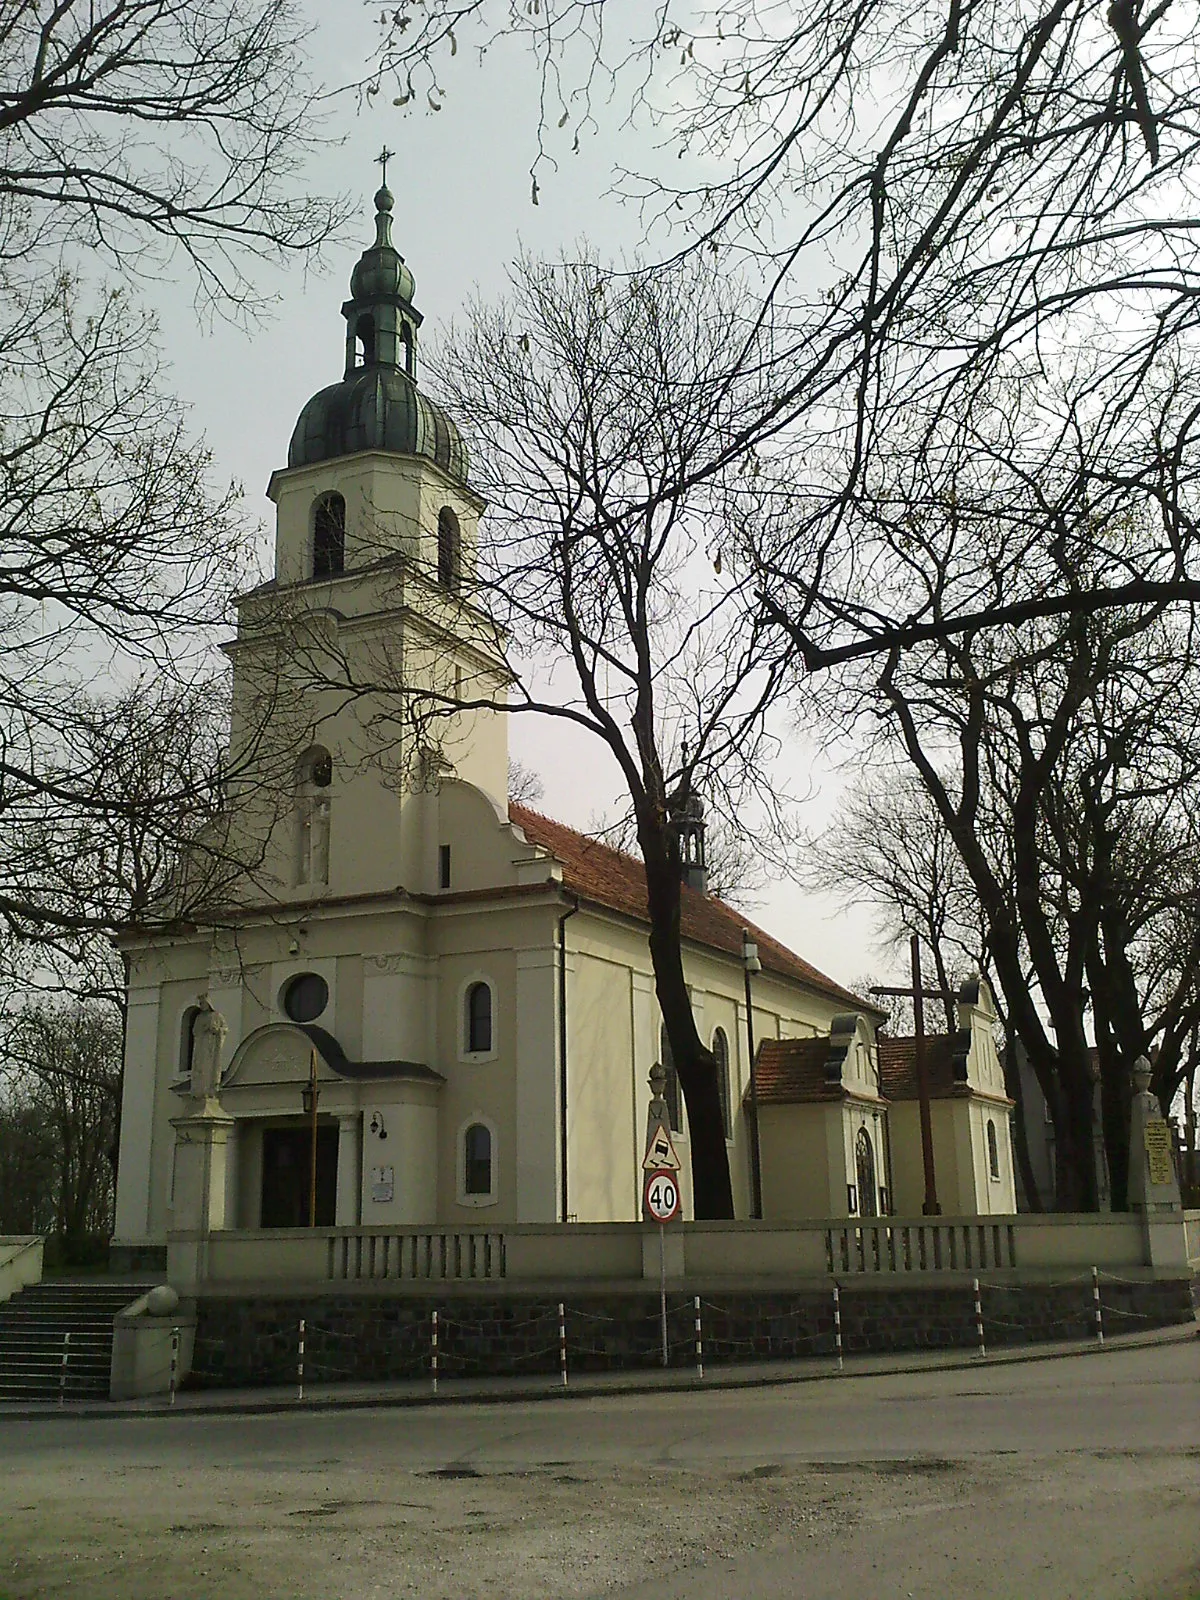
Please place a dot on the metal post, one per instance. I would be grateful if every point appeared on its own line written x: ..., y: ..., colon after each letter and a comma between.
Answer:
x: 300, y: 1364
x: 931, y: 1207
x: 562, y: 1342
x: 62, y: 1375
x: 979, y: 1317
x: 662, y: 1289
x: 312, y: 1181
x: 699, y: 1341
x: 837, y: 1326
x: 1096, y: 1307
x: 750, y: 963
x: 174, y: 1364
x: 433, y: 1352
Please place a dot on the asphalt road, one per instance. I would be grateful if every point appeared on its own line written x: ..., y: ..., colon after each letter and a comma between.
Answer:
x: 1058, y: 1479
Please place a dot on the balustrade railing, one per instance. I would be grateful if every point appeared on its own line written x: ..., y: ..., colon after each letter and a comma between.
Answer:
x: 415, y: 1254
x: 886, y: 1246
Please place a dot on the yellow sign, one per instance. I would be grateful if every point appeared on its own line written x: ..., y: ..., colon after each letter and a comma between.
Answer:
x: 1158, y: 1151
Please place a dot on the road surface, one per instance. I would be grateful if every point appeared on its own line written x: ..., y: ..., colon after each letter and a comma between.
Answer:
x: 1055, y: 1479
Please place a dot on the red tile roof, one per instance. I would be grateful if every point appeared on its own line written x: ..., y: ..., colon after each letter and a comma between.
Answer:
x: 610, y: 878
x: 790, y: 1070
x: 898, y: 1066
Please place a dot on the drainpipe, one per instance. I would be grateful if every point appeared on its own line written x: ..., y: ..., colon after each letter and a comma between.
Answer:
x: 562, y: 1053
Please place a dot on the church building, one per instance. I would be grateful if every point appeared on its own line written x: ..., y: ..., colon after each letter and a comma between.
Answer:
x: 416, y: 1002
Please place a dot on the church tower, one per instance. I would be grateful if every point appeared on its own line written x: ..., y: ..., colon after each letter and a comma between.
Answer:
x: 347, y: 660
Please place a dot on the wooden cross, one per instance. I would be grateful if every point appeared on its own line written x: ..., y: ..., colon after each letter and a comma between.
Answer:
x: 917, y: 993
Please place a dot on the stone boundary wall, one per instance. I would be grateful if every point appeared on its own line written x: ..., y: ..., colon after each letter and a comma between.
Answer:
x: 250, y: 1341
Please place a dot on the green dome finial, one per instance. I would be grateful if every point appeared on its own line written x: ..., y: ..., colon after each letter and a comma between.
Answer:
x: 383, y: 219
x: 377, y: 405
x: 383, y: 204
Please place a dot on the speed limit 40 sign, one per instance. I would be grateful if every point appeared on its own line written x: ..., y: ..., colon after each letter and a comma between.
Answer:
x: 662, y: 1196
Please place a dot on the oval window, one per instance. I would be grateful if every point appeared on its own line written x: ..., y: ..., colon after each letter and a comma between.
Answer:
x: 306, y: 997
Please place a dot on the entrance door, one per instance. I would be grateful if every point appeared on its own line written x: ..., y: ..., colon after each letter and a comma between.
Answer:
x: 286, y: 1174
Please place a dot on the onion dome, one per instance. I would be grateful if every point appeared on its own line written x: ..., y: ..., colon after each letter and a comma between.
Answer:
x: 377, y: 405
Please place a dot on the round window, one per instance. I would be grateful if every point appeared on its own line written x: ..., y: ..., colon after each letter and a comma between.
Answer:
x: 306, y: 997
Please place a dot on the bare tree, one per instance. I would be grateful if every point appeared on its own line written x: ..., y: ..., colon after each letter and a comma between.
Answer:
x: 889, y: 848
x: 61, y: 1077
x: 937, y: 203
x: 137, y: 129
x: 134, y: 132
x: 525, y: 786
x: 1049, y: 761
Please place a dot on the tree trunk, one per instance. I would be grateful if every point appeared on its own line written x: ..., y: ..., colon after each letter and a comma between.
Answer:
x: 1074, y: 1137
x: 1012, y: 1085
x: 712, y: 1192
x: 1114, y: 1119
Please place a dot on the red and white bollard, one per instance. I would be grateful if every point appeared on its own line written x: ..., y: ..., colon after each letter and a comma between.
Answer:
x: 837, y: 1326
x: 562, y: 1342
x: 979, y: 1318
x: 1097, y: 1309
x: 433, y: 1350
x: 62, y: 1371
x: 699, y: 1340
x: 174, y: 1379
x: 300, y: 1363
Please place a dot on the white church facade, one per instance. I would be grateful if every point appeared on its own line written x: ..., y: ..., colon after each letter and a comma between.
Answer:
x: 466, y: 983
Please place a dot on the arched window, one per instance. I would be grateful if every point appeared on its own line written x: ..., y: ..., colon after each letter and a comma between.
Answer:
x: 477, y: 1160
x: 364, y: 330
x: 993, y: 1149
x: 671, y: 1092
x: 329, y: 536
x: 720, y: 1050
x: 479, y: 1018
x: 864, y: 1161
x: 449, y: 551
x: 314, y: 776
x: 409, y: 348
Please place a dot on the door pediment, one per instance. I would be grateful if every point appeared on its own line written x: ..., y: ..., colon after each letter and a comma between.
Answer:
x: 278, y: 1053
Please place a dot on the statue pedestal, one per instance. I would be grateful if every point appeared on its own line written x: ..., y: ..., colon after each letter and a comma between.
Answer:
x: 198, y: 1189
x: 1153, y: 1184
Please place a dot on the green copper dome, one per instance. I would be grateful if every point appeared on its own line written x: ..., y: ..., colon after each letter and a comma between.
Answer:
x: 378, y: 408
x: 377, y: 405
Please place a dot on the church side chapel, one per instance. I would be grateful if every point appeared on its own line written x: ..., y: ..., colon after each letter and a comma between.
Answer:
x: 426, y: 1005
x: 970, y: 1114
x: 850, y: 1102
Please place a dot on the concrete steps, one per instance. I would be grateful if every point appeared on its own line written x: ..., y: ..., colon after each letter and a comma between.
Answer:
x: 34, y: 1329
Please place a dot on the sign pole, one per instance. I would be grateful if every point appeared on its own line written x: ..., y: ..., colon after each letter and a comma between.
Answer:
x: 312, y: 1174
x: 662, y: 1287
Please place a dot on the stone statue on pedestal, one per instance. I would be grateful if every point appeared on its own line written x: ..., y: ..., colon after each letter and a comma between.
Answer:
x: 208, y: 1035
x: 1153, y: 1183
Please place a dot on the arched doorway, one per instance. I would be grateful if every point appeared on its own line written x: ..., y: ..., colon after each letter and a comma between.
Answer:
x: 864, y: 1160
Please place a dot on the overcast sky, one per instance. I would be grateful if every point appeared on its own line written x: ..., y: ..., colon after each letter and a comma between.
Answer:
x: 463, y: 211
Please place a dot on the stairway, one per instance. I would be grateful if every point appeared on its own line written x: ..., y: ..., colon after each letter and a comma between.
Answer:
x: 32, y: 1329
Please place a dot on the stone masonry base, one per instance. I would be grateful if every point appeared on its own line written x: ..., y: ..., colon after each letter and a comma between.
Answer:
x: 244, y: 1340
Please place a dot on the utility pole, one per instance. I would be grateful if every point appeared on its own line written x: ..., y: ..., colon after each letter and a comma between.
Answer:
x: 309, y: 1096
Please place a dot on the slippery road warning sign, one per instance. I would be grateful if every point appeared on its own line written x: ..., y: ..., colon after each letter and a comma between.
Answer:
x: 660, y: 1151
x: 662, y: 1196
